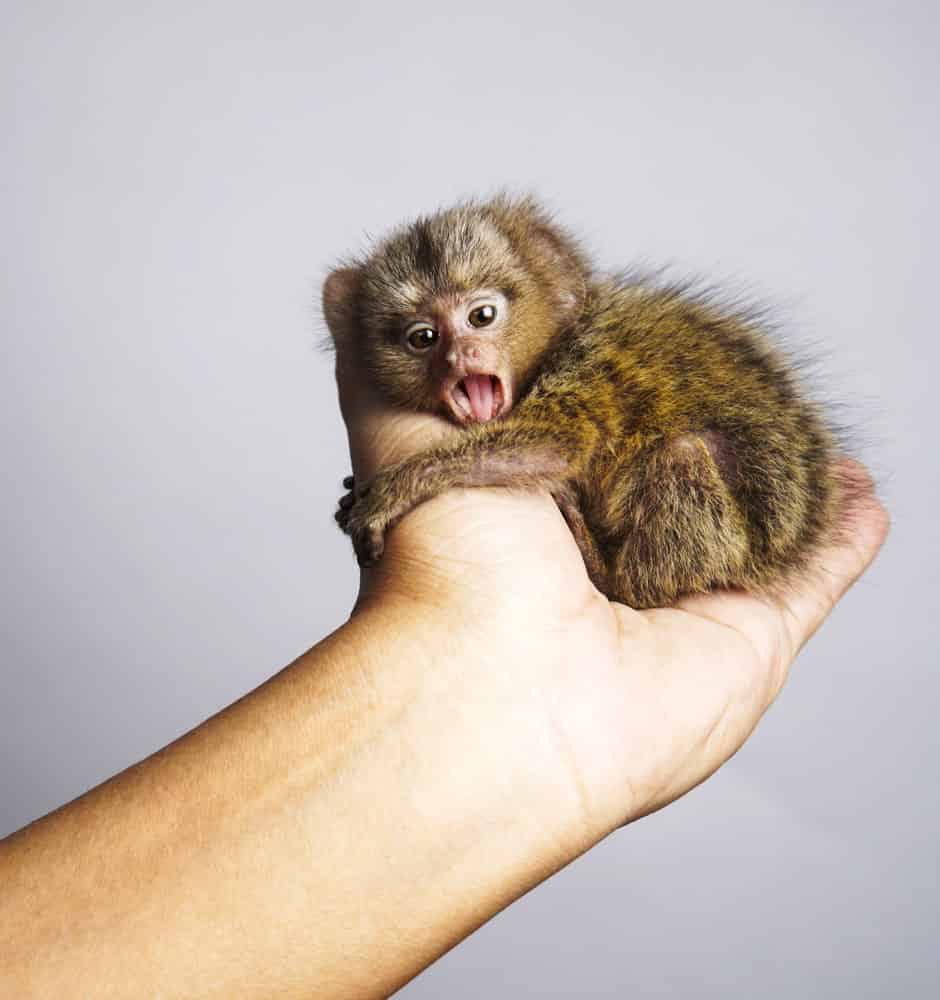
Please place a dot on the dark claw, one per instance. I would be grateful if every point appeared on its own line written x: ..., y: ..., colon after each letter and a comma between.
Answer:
x: 349, y: 482
x: 347, y: 501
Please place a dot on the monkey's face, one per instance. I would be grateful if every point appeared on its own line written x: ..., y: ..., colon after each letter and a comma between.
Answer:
x: 465, y: 354
x: 451, y: 356
x: 453, y: 313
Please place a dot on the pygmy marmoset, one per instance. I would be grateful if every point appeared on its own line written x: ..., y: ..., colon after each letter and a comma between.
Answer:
x: 675, y: 439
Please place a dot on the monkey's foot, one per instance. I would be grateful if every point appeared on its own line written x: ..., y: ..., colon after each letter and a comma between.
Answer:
x: 593, y: 560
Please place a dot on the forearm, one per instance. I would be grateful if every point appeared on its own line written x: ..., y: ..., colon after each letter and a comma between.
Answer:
x: 485, y: 717
x: 330, y: 834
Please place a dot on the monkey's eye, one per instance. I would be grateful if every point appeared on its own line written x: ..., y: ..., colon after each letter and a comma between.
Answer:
x: 420, y: 338
x: 482, y: 315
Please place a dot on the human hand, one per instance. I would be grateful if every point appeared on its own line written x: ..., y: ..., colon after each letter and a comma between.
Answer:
x: 617, y: 712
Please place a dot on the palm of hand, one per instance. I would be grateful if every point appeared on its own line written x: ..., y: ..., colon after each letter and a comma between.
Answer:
x: 639, y: 706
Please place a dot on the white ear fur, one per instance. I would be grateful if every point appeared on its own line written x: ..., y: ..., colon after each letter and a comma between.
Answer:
x: 569, y: 299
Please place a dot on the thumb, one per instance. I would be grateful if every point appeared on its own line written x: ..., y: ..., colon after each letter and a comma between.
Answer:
x: 380, y: 434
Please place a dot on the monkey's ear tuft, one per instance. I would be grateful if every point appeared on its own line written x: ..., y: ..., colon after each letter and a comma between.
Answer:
x: 341, y: 292
x: 547, y: 249
x: 564, y: 266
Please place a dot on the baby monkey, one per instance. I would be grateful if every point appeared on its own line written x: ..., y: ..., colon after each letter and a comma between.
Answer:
x: 674, y: 439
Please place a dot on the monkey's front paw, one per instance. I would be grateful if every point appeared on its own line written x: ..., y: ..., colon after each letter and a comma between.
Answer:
x: 345, y: 504
x: 367, y: 526
x: 368, y: 512
x: 365, y: 516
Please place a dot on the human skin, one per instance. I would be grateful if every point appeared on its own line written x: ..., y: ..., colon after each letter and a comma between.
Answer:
x: 484, y: 717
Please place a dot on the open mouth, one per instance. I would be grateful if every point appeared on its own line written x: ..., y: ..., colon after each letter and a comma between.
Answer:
x: 478, y: 397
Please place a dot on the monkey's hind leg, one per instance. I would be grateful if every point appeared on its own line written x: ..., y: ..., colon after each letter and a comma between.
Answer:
x: 674, y: 526
x: 568, y: 503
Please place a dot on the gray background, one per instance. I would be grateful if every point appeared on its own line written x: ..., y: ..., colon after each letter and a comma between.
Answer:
x: 175, y: 183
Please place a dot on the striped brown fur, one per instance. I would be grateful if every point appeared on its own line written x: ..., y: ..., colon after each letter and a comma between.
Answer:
x: 676, y: 439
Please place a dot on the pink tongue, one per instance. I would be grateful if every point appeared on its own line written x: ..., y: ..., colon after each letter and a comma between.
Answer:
x: 480, y: 391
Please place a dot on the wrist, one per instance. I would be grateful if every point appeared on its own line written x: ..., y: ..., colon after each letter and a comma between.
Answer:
x: 492, y: 588
x: 473, y: 708
x: 451, y: 769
